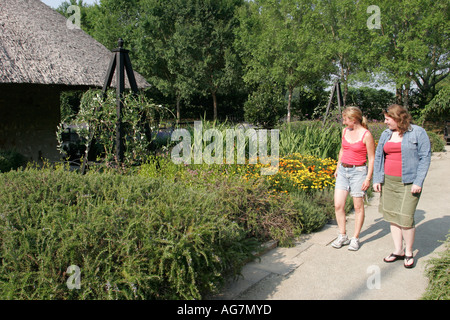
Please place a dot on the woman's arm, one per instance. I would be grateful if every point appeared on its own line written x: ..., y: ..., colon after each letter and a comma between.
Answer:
x: 378, y: 172
x: 341, y: 151
x: 424, y: 154
x: 370, y: 146
x: 339, y: 162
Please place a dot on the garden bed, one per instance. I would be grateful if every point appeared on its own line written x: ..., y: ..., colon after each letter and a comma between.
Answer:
x: 157, y: 232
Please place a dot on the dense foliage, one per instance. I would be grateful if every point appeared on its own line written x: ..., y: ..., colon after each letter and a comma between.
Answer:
x: 438, y: 274
x: 153, y: 229
x: 95, y: 124
x: 132, y: 237
x: 10, y: 159
x: 211, y: 57
x: 158, y: 230
x: 163, y: 232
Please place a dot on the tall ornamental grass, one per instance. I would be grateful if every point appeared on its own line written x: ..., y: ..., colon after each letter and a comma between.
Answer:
x: 311, y: 138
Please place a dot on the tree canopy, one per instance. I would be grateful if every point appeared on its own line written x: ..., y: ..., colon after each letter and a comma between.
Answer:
x: 214, y: 52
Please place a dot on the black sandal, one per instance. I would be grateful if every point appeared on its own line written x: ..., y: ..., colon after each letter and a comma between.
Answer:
x: 397, y: 257
x: 409, y: 266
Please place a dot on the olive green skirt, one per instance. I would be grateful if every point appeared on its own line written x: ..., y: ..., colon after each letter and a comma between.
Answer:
x: 397, y: 203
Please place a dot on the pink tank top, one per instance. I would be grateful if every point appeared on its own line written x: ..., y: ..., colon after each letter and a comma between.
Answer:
x: 354, y: 153
x: 393, y: 159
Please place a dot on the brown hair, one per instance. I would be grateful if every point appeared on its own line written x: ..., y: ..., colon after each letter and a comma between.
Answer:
x: 355, y: 114
x: 400, y: 115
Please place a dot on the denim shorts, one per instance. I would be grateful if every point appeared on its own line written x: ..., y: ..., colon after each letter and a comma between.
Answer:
x: 351, y: 179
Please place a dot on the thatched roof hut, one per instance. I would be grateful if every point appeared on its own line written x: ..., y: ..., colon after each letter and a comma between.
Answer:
x: 36, y: 46
x: 40, y: 56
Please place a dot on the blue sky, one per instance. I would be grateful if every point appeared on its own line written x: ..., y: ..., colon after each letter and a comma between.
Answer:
x: 55, y: 3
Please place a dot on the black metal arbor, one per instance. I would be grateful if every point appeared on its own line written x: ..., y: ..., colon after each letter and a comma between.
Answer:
x: 119, y: 64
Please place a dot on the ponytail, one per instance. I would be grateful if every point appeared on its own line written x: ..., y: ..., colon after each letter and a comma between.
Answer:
x: 364, y: 123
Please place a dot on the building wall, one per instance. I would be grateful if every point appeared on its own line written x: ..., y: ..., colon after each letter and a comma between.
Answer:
x: 29, y: 116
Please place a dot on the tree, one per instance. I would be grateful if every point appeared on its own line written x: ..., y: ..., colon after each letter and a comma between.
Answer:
x: 114, y: 19
x: 186, y: 47
x: 346, y: 36
x: 63, y: 8
x: 219, y: 65
x: 371, y: 101
x: 438, y: 109
x: 413, y: 45
x: 163, y: 49
x: 106, y: 22
x: 280, y: 44
x: 265, y: 105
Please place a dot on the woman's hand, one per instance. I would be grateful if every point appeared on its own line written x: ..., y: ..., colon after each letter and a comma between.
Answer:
x: 365, y: 185
x: 377, y: 187
x: 416, y: 189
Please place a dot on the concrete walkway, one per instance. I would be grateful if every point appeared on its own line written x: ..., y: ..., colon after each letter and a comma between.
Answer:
x: 314, y: 270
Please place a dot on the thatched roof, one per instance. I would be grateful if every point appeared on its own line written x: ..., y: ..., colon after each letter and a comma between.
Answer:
x: 37, y: 47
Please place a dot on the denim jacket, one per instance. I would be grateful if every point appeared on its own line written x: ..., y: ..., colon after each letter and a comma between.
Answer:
x: 416, y: 156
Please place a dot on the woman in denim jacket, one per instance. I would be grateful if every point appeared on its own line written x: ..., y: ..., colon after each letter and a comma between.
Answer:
x: 402, y: 159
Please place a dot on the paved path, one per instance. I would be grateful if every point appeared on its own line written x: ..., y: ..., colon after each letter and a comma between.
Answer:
x: 314, y: 270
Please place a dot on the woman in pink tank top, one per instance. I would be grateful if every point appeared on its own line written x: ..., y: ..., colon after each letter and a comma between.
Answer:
x: 353, y: 173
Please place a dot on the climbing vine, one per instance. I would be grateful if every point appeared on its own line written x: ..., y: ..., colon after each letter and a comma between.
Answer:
x: 97, y: 119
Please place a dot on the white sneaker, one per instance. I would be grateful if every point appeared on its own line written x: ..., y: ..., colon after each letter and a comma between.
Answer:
x: 354, y: 244
x: 341, y: 240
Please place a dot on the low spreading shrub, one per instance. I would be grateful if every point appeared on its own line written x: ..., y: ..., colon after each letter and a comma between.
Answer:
x: 11, y: 160
x: 297, y: 199
x: 437, y: 143
x: 132, y: 237
x: 264, y: 214
x: 159, y: 230
x: 311, y: 216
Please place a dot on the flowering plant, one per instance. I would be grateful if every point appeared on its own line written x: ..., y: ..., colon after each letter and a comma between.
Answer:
x: 299, y: 172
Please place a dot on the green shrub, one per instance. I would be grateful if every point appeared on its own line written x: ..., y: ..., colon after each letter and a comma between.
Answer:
x: 437, y: 109
x: 315, y: 209
x: 157, y: 166
x: 376, y: 129
x: 11, y: 160
x: 437, y: 143
x: 371, y: 101
x: 96, y: 121
x: 265, y: 106
x: 263, y: 214
x: 132, y: 237
x: 139, y: 236
x: 439, y: 277
x: 313, y: 213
